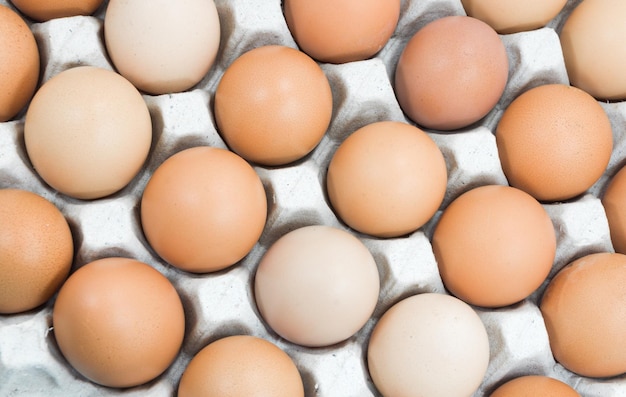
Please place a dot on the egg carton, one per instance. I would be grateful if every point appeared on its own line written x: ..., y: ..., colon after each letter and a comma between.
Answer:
x: 222, y: 303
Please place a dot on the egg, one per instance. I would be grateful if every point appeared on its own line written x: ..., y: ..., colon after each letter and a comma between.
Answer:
x: 46, y: 10
x: 584, y: 309
x: 534, y: 385
x: 87, y: 132
x: 36, y: 250
x: 554, y: 142
x: 451, y: 73
x: 512, y: 16
x: 203, y: 209
x: 428, y: 344
x: 592, y: 39
x: 241, y: 366
x: 387, y: 179
x: 118, y: 322
x: 494, y: 246
x: 273, y: 105
x: 321, y: 30
x: 614, y: 203
x: 162, y: 46
x: 19, y: 64
x: 316, y: 286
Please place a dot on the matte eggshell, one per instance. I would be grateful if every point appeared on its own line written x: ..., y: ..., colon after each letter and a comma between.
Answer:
x: 451, y: 73
x: 512, y: 16
x: 614, y: 202
x: 162, y: 46
x: 203, y: 209
x: 340, y: 31
x: 19, y: 63
x: 273, y: 105
x: 45, y: 10
x: 387, y: 179
x: 593, y: 39
x: 36, y: 250
x: 554, y: 142
x: 432, y: 343
x: 494, y: 246
x: 87, y: 132
x: 534, y: 385
x: 241, y: 366
x: 118, y: 322
x: 317, y: 285
x: 584, y: 309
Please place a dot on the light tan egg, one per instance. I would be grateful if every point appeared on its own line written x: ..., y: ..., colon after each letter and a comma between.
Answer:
x: 513, y: 16
x: 592, y: 39
x: 45, y: 10
x: 118, y: 322
x: 340, y: 31
x: 87, y: 132
x: 273, y: 105
x: 241, y: 366
x: 584, y: 309
x: 19, y: 63
x: 554, y: 142
x: 36, y: 250
x: 203, y: 209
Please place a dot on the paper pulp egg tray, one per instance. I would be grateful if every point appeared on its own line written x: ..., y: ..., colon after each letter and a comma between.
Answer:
x: 222, y: 303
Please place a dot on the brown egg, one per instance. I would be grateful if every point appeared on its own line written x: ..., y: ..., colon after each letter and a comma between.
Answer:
x: 87, y: 132
x: 451, y: 73
x: 203, y: 209
x: 494, y: 246
x: 554, y: 142
x: 614, y: 202
x: 317, y: 285
x: 534, y: 385
x: 592, y: 39
x: 584, y: 309
x: 241, y: 366
x: 340, y: 31
x: 19, y: 63
x: 36, y: 250
x: 162, y: 46
x: 118, y: 322
x: 512, y: 16
x: 387, y: 179
x: 45, y: 10
x: 273, y: 105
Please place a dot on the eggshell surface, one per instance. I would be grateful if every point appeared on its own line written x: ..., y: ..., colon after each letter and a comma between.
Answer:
x: 273, y: 105
x: 320, y: 28
x: 36, y: 250
x: 316, y: 285
x: 162, y: 46
x: 387, y: 179
x: 554, y: 142
x: 430, y: 344
x: 451, y: 73
x: 512, y: 16
x: 614, y: 202
x: 241, y: 366
x: 203, y: 209
x: 119, y: 322
x: 87, y: 132
x: 535, y: 385
x: 494, y: 246
x: 592, y: 39
x: 46, y: 10
x: 585, y: 339
x: 19, y: 63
